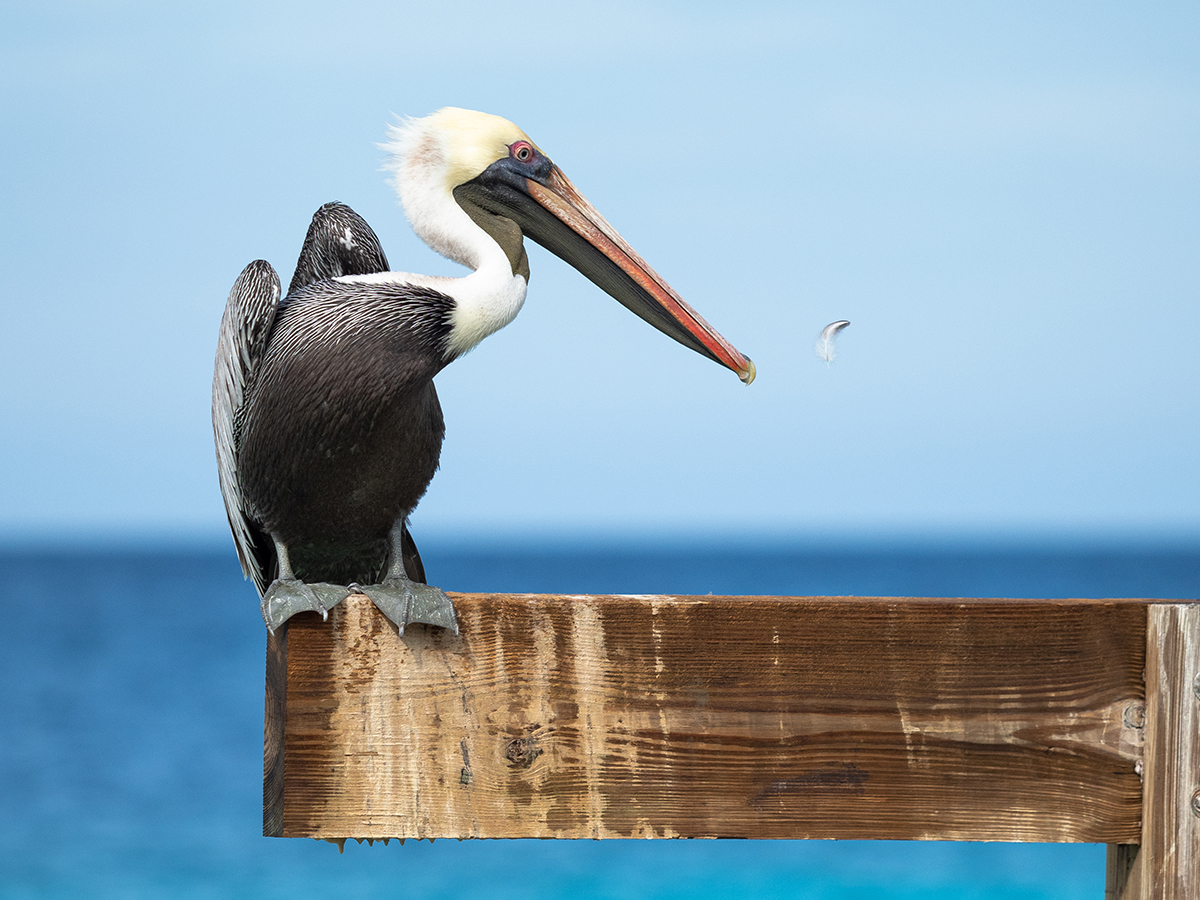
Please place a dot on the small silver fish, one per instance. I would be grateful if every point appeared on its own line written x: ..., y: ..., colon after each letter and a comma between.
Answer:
x: 825, y: 343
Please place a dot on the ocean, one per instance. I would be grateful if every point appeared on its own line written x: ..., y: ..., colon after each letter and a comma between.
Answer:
x: 131, y: 742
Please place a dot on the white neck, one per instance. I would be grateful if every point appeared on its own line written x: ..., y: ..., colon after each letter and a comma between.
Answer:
x: 491, y: 296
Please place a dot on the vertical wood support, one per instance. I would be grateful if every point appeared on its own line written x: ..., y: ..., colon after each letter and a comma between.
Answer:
x: 274, y: 722
x: 1166, y: 865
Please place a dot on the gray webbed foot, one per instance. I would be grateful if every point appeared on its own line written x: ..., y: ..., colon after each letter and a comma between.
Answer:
x: 288, y: 596
x: 405, y: 602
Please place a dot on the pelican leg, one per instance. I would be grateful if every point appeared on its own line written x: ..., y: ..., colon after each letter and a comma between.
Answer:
x: 405, y: 601
x: 288, y: 595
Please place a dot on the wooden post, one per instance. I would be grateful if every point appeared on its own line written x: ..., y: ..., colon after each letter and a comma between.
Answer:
x: 1166, y: 863
x: 753, y: 717
x: 274, y: 728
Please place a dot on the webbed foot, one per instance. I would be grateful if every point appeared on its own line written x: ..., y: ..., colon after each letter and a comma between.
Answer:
x: 404, y: 602
x: 288, y: 596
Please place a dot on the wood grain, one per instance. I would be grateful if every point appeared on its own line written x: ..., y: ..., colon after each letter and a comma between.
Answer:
x: 753, y: 717
x: 274, y: 726
x: 1167, y: 864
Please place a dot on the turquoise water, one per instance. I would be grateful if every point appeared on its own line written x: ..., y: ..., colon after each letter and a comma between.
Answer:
x: 131, y: 751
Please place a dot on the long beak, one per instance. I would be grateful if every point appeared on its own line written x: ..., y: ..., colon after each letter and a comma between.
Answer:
x: 553, y: 213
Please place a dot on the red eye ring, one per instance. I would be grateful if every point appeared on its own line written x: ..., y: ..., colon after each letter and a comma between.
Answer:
x: 522, y: 151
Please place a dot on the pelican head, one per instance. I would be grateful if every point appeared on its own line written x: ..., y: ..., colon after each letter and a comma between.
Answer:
x: 473, y: 185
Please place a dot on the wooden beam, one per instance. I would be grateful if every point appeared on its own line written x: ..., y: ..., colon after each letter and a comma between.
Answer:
x: 751, y: 717
x: 1166, y: 865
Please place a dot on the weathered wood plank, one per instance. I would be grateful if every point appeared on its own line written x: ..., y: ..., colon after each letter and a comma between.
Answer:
x: 718, y: 717
x: 1122, y: 877
x: 1167, y: 864
x: 274, y: 724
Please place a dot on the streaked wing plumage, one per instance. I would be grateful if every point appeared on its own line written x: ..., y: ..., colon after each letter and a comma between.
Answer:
x: 339, y: 242
x: 245, y: 328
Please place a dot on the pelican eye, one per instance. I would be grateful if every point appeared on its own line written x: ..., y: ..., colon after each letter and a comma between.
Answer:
x: 522, y: 151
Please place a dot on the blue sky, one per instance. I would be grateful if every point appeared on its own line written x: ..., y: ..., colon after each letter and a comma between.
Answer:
x: 1004, y: 199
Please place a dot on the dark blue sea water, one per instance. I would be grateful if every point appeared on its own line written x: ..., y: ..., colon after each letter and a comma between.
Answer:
x: 131, y: 732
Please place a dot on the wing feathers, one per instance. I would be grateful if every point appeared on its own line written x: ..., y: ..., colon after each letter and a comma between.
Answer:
x: 245, y: 328
x: 339, y: 242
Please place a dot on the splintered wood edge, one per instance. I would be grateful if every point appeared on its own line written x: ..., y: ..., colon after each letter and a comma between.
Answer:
x: 357, y: 642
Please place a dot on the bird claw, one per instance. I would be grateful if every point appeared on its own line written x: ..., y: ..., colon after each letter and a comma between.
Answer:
x: 401, y: 600
x: 405, y: 602
x: 288, y: 596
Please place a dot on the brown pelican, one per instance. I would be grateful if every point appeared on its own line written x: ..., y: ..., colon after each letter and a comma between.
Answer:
x: 327, y: 424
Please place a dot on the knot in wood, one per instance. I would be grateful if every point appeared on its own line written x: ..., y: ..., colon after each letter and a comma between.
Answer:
x: 1135, y: 716
x: 521, y: 752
